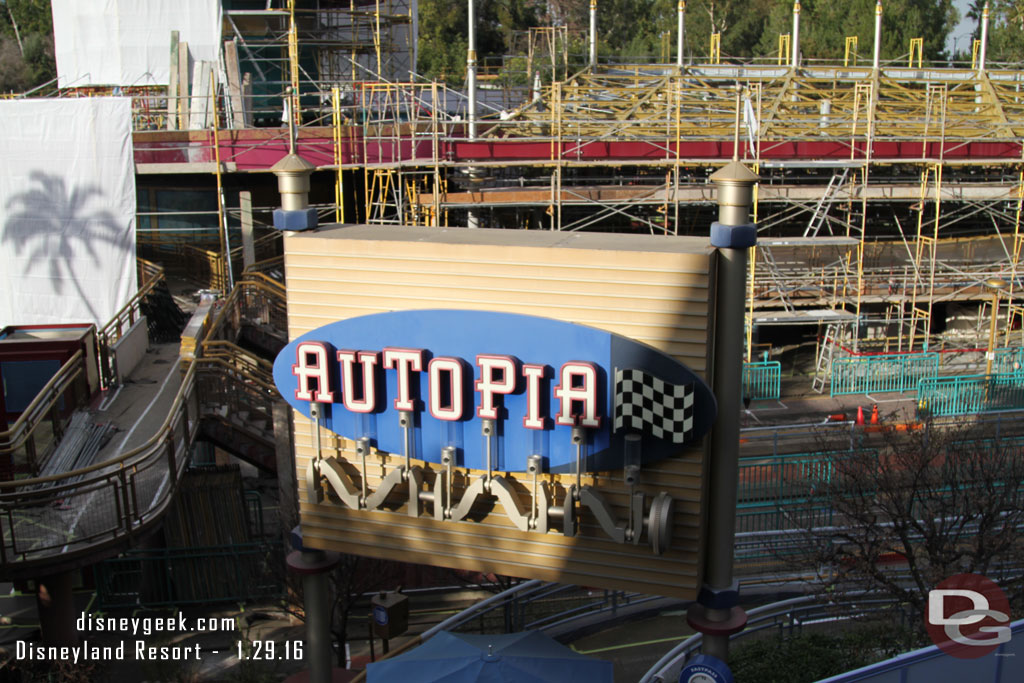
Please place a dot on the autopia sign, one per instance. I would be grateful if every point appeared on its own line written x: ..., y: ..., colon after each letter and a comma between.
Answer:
x: 497, y: 385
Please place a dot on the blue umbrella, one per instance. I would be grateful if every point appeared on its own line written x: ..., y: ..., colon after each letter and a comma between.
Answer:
x: 524, y: 657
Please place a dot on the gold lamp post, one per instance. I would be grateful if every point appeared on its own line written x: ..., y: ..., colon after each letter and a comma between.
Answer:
x: 996, y: 285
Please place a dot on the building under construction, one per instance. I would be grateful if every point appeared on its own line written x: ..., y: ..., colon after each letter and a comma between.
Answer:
x: 888, y: 209
x: 888, y: 212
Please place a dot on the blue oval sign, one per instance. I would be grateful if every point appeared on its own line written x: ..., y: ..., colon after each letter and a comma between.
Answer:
x: 495, y: 386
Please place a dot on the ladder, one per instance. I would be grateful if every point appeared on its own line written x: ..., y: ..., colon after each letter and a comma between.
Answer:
x: 823, y: 371
x: 821, y: 210
x: 776, y: 277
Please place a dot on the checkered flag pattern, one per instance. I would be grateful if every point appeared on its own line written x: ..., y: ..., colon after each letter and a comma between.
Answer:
x: 647, y: 404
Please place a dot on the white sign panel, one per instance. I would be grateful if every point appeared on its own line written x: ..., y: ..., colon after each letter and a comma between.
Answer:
x: 67, y: 230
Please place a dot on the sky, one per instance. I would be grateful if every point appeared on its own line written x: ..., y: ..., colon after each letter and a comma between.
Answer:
x: 961, y: 34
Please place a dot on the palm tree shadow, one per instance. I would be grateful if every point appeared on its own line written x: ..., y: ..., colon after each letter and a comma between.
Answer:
x: 55, y: 226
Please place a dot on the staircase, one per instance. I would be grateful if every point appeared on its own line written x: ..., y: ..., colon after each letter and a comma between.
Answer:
x: 236, y: 411
x: 235, y: 371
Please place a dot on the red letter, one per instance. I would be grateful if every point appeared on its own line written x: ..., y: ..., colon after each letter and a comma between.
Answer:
x: 488, y: 386
x: 312, y: 364
x: 367, y: 359
x: 533, y: 374
x: 453, y: 366
x: 405, y: 360
x: 585, y: 392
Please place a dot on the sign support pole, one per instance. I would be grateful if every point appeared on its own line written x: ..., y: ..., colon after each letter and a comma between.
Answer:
x: 314, y: 566
x: 716, y: 613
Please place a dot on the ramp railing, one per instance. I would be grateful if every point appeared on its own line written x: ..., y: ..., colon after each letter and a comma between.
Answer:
x: 63, y: 519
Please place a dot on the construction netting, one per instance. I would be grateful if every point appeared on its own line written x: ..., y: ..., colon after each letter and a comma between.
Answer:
x: 127, y: 42
x: 67, y: 232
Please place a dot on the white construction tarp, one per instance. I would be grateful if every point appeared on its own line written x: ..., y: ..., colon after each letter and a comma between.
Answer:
x: 128, y: 42
x: 67, y: 231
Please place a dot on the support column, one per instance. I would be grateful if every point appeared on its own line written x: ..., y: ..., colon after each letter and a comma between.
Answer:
x: 293, y: 173
x: 471, y: 71
x: 681, y: 34
x: 56, y: 606
x: 794, y: 61
x: 472, y: 218
x: 248, y: 247
x: 285, y: 457
x: 295, y: 213
x: 984, y: 39
x: 314, y: 566
x: 717, y: 614
x: 593, y: 34
x: 876, y: 60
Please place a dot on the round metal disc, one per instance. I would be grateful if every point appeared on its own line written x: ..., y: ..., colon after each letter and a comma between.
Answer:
x: 659, y: 524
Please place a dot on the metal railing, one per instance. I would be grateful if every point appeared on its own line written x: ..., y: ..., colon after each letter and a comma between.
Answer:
x: 150, y: 275
x: 1008, y: 360
x: 256, y: 300
x: 105, y: 503
x: 781, y: 477
x: 205, y: 265
x: 784, y: 617
x: 918, y: 666
x: 522, y: 608
x: 882, y: 374
x: 237, y: 360
x: 27, y: 442
x: 970, y: 394
x: 762, y: 380
x: 156, y: 577
x: 540, y: 606
x: 73, y: 514
x: 793, y: 513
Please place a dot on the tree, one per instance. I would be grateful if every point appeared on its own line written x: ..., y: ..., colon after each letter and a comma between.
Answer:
x: 916, y: 509
x: 354, y: 577
x: 825, y: 24
x: 740, y: 23
x: 974, y: 12
x: 26, y: 44
x: 1006, y: 31
x: 443, y: 29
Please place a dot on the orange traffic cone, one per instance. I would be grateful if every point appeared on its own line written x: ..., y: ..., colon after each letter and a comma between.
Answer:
x: 860, y: 416
x: 874, y: 414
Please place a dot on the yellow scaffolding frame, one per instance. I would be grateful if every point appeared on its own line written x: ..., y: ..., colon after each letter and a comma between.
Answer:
x: 853, y: 107
x: 850, y: 49
x: 715, y: 56
x: 916, y: 46
x: 784, y: 47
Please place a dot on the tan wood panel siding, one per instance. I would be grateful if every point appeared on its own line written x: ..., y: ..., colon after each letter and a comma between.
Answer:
x: 639, y: 288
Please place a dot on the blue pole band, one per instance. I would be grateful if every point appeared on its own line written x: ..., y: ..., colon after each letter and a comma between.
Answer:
x: 733, y: 236
x: 304, y: 219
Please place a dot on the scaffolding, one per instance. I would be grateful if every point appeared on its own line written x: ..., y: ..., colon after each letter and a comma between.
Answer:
x: 889, y: 195
x: 884, y: 194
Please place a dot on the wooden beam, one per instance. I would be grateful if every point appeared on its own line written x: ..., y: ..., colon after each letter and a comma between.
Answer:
x: 234, y: 84
x: 172, y: 85
x: 248, y: 248
x: 183, y: 89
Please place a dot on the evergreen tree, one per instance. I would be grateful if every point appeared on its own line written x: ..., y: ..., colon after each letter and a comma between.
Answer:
x: 26, y: 44
x: 825, y: 24
x: 443, y: 29
x: 1006, y: 31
